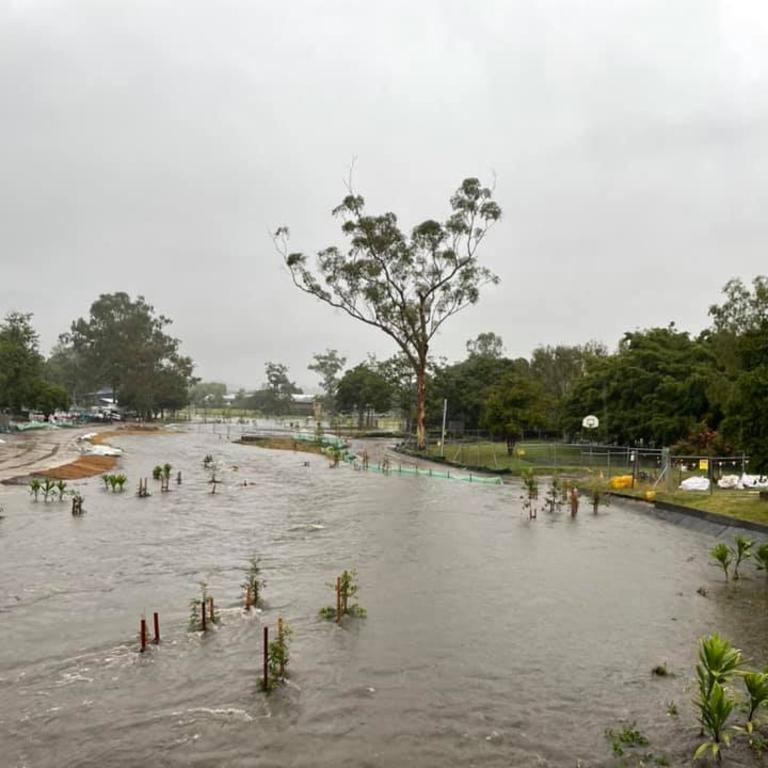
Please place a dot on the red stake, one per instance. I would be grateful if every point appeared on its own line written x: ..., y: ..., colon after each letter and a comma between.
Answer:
x: 143, y: 633
x: 156, y: 620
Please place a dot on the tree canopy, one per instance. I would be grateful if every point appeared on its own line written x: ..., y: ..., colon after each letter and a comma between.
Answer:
x: 123, y: 345
x: 23, y: 382
x: 405, y: 285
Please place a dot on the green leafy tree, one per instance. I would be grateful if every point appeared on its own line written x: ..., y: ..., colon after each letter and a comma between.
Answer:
x: 514, y: 406
x: 328, y: 365
x: 467, y: 384
x: 65, y: 368
x: 405, y: 285
x: 276, y: 398
x: 486, y: 344
x: 558, y: 369
x: 653, y: 390
x: 50, y: 398
x: 398, y: 373
x: 208, y: 393
x: 123, y: 345
x: 365, y: 391
x: 746, y: 410
x: 20, y: 362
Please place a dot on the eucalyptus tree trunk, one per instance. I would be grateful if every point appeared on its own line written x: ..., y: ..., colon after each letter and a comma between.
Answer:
x: 421, y: 433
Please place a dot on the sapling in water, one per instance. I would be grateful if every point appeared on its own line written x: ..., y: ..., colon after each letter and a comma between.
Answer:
x: 761, y: 557
x: 346, y: 587
x: 48, y: 488
x: 254, y: 583
x: 741, y: 551
x: 552, y: 499
x: 157, y: 472
x: 167, y: 471
x: 531, y: 494
x: 120, y: 481
x: 34, y: 487
x: 721, y: 554
x: 105, y: 479
x: 718, y: 662
x: 756, y: 684
x: 61, y: 486
x: 714, y: 710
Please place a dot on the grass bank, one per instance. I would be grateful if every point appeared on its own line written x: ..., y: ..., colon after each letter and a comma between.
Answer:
x: 741, y: 505
x: 282, y: 444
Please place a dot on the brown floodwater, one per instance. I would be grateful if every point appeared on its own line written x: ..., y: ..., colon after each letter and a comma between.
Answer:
x: 490, y: 640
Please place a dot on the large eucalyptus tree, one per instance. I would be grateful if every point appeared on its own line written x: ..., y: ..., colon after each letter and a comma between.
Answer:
x: 405, y: 285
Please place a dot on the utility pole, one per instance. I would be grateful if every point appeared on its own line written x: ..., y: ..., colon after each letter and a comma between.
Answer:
x: 442, y: 439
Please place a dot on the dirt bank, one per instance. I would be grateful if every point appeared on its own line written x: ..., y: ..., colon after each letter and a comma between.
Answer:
x: 56, y: 453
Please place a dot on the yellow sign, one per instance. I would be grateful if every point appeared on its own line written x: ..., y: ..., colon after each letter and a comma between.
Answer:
x: 704, y: 465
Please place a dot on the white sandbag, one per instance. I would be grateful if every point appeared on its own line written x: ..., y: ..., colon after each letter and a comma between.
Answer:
x: 100, y: 450
x: 754, y: 481
x: 695, y: 484
x: 729, y: 481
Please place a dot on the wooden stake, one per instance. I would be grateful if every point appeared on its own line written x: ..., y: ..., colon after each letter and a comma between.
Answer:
x: 211, y: 614
x: 338, y: 599
x: 265, y: 676
x: 143, y: 634
x: 248, y: 598
x: 202, y: 606
x: 281, y: 640
x: 156, y: 620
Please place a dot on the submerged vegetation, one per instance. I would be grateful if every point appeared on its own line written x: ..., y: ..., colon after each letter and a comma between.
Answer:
x: 254, y: 582
x: 346, y: 588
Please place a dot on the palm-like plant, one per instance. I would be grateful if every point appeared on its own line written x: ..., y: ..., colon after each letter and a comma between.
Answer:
x: 34, y: 487
x: 48, y: 488
x: 718, y: 662
x: 157, y: 472
x: 105, y: 478
x: 61, y: 486
x: 120, y: 481
x: 722, y: 555
x: 113, y: 482
x: 756, y: 684
x: 714, y: 711
x: 741, y: 551
x: 761, y: 557
x: 167, y: 470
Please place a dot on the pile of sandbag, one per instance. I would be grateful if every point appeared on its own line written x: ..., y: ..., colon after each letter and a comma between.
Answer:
x: 695, y: 484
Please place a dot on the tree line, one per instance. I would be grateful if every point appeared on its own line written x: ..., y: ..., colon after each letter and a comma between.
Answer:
x: 699, y: 394
x: 122, y: 345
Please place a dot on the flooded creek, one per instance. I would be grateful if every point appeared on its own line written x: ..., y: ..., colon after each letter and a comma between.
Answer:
x: 490, y: 640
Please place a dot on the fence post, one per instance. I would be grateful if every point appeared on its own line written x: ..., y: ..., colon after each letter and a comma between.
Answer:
x: 143, y: 634
x: 156, y: 622
x: 265, y: 672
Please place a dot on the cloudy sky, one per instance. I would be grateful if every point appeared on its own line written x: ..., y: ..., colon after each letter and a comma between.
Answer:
x: 151, y: 146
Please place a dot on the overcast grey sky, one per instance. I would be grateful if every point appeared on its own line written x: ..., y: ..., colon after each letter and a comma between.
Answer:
x: 150, y: 147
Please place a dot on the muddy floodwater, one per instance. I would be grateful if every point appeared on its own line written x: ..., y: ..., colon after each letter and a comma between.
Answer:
x: 490, y: 640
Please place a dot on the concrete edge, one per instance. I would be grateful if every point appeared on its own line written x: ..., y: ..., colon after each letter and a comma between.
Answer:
x: 678, y: 513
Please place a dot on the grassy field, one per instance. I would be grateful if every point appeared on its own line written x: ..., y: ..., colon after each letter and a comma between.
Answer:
x: 544, y: 458
x: 745, y: 505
